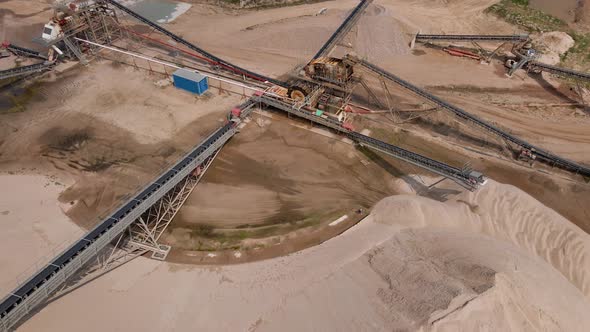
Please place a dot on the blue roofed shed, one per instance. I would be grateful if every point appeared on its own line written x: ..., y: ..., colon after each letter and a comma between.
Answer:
x: 190, y: 81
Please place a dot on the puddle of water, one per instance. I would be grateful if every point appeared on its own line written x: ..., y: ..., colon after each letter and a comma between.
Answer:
x: 160, y: 11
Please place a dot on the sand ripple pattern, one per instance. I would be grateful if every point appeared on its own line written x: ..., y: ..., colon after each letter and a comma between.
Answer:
x: 504, y: 212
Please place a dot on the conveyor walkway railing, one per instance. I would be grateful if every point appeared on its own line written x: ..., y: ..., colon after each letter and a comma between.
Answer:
x: 212, y: 58
x: 18, y: 50
x: 538, y: 66
x: 466, y: 178
x: 546, y: 156
x: 42, y: 284
x: 502, y: 38
x: 24, y: 70
x: 343, y: 29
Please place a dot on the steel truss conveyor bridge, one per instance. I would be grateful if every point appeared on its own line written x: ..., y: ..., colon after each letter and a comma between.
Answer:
x: 22, y: 51
x: 531, y: 65
x: 546, y: 156
x: 20, y: 302
x: 25, y: 70
x: 474, y: 38
x: 38, y: 288
x: 214, y: 60
x: 538, y: 66
x: 343, y: 29
x: 466, y: 178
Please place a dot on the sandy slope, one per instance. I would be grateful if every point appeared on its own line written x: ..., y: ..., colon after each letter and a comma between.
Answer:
x: 503, y: 212
x: 494, y: 259
x: 33, y: 226
x: 413, y: 264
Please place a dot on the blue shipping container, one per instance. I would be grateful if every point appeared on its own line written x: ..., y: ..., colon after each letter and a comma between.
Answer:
x: 190, y: 81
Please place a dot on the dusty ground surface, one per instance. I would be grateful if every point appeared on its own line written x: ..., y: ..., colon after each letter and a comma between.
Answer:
x: 495, y: 259
x: 391, y: 23
x: 34, y: 223
x: 274, y: 178
x: 97, y: 132
x: 94, y: 128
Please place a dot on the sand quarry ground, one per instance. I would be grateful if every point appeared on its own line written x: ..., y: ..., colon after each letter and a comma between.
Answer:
x: 513, y: 255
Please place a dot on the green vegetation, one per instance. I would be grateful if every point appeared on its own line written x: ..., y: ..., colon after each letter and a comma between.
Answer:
x: 390, y: 136
x: 581, y: 49
x: 519, y: 13
x: 532, y: 20
x: 212, y: 238
x: 17, y: 99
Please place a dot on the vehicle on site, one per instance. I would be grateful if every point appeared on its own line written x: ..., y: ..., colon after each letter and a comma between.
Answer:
x: 62, y: 19
x: 51, y: 31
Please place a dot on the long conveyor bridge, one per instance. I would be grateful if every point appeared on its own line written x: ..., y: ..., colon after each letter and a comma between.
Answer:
x: 542, y: 154
x: 466, y: 178
x: 214, y: 60
x: 538, y: 66
x: 25, y: 70
x: 23, y: 51
x: 476, y: 38
x: 343, y: 29
x: 21, y: 301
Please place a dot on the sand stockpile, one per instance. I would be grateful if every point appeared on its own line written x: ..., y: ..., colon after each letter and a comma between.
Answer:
x: 444, y: 280
x: 378, y: 35
x: 381, y: 36
x: 553, y: 45
x: 414, y: 264
x: 34, y: 226
x: 506, y: 213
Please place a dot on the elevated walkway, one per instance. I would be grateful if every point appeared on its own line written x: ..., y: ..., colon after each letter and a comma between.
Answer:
x: 466, y: 178
x: 477, y: 38
x: 25, y: 70
x: 39, y: 287
x: 343, y: 29
x: 214, y: 60
x: 542, y: 154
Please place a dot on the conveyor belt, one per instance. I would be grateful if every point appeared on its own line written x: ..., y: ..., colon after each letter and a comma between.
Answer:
x: 213, y: 59
x: 25, y: 52
x: 465, y: 178
x: 470, y: 118
x: 18, y: 71
x: 343, y: 29
x: 505, y: 38
x: 557, y: 70
x: 38, y: 288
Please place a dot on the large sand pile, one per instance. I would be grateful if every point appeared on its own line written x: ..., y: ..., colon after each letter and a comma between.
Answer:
x: 380, y: 35
x: 506, y: 213
x: 553, y: 45
x: 377, y: 36
x: 486, y: 260
x: 34, y: 226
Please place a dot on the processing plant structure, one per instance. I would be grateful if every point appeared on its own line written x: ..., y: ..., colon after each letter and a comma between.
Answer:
x: 319, y: 92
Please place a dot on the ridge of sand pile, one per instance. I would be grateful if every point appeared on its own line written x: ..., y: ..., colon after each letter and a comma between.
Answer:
x: 444, y: 280
x: 506, y: 213
x: 380, y: 36
x: 376, y: 36
x: 413, y: 264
